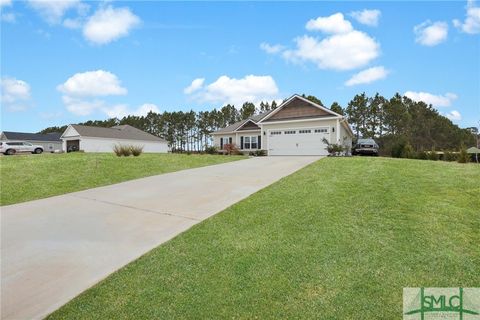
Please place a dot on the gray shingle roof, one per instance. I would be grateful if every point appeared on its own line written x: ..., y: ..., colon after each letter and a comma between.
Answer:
x: 116, y: 132
x: 54, y: 136
x: 238, y: 124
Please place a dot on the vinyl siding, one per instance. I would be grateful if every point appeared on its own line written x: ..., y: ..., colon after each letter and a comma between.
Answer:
x: 89, y: 144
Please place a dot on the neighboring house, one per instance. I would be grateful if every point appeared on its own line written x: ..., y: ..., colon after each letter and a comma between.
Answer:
x: 99, y: 139
x: 50, y: 142
x: 296, y: 127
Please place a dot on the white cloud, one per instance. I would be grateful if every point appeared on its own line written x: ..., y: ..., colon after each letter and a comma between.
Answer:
x: 8, y: 17
x: 120, y: 111
x: 332, y: 24
x: 237, y: 91
x: 194, y: 86
x: 109, y: 24
x: 454, y: 115
x: 92, y: 83
x: 471, y: 24
x: 53, y: 11
x: 15, y: 94
x: 431, y: 34
x: 5, y: 3
x: 429, y: 98
x: 82, y: 94
x: 367, y: 17
x: 81, y: 91
x: 271, y: 49
x: 344, y: 51
x: 368, y: 76
x: 82, y: 107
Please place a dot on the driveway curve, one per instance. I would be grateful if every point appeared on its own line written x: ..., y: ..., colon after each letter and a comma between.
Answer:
x: 55, y: 248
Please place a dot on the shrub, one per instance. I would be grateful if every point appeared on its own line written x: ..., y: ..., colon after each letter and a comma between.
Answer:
x: 127, y: 150
x: 422, y: 155
x: 449, y: 156
x: 397, y: 150
x: 258, y: 153
x: 333, y: 149
x: 463, y: 156
x: 432, y: 155
x: 122, y: 150
x: 231, y: 149
x: 211, y: 149
x: 136, y: 150
x: 408, y: 152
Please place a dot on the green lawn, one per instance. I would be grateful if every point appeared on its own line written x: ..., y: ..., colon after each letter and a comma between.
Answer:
x: 336, y: 240
x: 29, y: 177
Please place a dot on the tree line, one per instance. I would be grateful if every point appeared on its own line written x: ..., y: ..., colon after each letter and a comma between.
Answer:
x: 184, y: 130
x: 395, y: 123
x: 399, y: 122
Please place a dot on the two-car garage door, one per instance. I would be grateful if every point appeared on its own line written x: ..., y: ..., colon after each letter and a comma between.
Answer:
x: 303, y: 141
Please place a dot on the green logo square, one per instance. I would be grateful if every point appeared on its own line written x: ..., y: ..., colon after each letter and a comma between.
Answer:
x: 441, y: 303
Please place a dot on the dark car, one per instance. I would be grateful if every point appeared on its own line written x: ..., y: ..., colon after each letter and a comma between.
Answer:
x: 72, y: 148
x: 365, y: 147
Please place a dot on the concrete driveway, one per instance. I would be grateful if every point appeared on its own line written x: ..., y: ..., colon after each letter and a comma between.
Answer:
x: 55, y: 248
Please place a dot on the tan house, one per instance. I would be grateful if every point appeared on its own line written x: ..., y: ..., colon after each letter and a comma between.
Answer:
x: 296, y: 127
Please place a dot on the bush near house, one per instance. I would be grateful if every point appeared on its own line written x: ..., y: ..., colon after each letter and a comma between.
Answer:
x: 136, y: 150
x: 127, y: 150
x: 231, y: 149
x: 463, y: 156
x: 211, y: 150
x: 258, y: 153
x: 121, y: 150
x: 408, y: 151
x: 334, y: 149
x: 433, y: 155
x: 449, y: 156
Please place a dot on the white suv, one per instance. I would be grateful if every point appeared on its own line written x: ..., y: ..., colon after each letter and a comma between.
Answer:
x: 12, y: 147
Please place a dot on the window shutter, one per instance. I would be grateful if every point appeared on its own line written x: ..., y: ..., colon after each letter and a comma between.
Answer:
x: 221, y: 143
x: 241, y: 142
x: 259, y: 142
x: 230, y: 140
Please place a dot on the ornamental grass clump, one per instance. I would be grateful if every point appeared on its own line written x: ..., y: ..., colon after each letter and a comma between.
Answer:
x: 136, y: 150
x: 122, y: 150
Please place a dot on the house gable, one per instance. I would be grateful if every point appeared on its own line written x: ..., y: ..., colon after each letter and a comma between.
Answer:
x: 248, y: 125
x: 298, y: 108
x: 70, y: 132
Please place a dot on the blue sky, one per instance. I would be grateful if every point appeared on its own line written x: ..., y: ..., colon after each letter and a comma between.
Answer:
x: 71, y: 61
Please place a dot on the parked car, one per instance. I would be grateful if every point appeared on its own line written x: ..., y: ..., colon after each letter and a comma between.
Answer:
x: 365, y: 147
x: 72, y: 148
x: 12, y: 147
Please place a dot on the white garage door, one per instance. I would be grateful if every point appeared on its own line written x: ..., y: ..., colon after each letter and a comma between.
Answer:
x: 304, y: 141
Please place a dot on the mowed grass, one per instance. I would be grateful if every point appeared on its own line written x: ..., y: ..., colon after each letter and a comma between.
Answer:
x: 339, y: 239
x: 29, y: 177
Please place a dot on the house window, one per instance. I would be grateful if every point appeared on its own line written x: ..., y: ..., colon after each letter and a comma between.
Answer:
x: 250, y: 142
x: 305, y: 131
x: 290, y: 132
x: 246, y: 142
x: 323, y: 130
x: 273, y: 133
x: 254, y: 142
